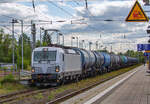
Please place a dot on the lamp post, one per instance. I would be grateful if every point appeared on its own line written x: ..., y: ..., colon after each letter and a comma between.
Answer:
x: 90, y: 43
x: 111, y: 48
x: 82, y: 43
x: 77, y: 41
x: 13, y: 21
x: 96, y: 45
x: 72, y: 40
x: 60, y: 34
x: 58, y: 39
x: 22, y: 41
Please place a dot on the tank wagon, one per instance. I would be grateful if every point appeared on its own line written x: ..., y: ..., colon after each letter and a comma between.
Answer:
x: 55, y: 65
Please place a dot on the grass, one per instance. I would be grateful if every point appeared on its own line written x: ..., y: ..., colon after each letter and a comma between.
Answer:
x: 86, y: 82
x: 8, y: 84
x: 55, y: 92
x: 39, y: 96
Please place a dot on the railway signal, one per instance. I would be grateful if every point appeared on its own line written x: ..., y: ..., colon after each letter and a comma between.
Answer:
x: 146, y: 2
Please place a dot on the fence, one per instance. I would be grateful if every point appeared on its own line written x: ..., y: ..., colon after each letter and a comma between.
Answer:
x: 7, y: 68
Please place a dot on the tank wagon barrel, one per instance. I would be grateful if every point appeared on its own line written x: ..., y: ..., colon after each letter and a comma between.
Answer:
x: 107, y: 59
x: 99, y: 59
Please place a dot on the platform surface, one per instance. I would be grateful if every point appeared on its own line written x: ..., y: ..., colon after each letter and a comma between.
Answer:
x: 135, y: 90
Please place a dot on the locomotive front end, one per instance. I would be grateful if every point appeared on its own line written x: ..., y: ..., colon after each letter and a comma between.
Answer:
x: 46, y: 67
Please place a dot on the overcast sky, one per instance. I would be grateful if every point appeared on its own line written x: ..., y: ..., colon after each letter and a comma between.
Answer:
x: 87, y: 25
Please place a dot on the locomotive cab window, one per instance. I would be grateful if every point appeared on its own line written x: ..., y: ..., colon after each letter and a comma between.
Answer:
x: 45, y: 56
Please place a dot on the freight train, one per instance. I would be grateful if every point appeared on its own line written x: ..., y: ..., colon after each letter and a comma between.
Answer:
x: 54, y: 65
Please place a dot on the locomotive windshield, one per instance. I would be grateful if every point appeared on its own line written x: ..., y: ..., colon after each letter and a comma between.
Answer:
x: 45, y: 56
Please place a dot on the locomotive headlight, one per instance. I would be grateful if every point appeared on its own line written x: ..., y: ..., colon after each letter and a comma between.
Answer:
x: 32, y: 70
x: 57, y: 69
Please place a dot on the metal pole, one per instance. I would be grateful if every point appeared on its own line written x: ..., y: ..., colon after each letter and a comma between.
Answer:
x: 90, y: 45
x: 71, y: 41
x: 111, y: 48
x: 96, y: 45
x: 77, y: 41
x: 22, y: 41
x: 86, y: 4
x: 149, y: 62
x: 99, y: 46
x: 13, y: 43
x: 82, y: 43
x: 63, y: 41
x: 57, y: 38
x: 40, y: 37
x: 79, y: 44
x: 33, y: 32
x: 138, y: 58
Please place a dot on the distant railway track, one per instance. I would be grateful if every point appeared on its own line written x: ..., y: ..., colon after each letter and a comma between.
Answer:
x: 2, y: 74
x: 14, y: 96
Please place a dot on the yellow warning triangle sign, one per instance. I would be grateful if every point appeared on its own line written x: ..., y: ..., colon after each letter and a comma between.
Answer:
x: 137, y: 14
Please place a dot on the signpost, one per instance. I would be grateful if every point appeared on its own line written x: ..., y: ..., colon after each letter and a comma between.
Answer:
x: 137, y: 14
x: 146, y: 48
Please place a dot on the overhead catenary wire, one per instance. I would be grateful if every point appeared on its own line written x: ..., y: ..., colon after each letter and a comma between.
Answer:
x: 10, y: 30
x: 60, y: 8
x: 76, y: 2
x: 46, y: 1
x: 8, y: 16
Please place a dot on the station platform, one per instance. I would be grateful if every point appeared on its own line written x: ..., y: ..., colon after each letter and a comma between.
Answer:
x: 132, y: 87
x: 135, y: 90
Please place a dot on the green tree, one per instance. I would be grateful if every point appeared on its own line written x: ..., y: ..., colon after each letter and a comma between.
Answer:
x: 38, y: 43
x: 26, y: 52
x: 46, y: 39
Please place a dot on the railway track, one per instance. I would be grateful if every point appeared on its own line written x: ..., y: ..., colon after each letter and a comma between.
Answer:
x: 9, y: 98
x: 69, y: 95
x: 14, y: 96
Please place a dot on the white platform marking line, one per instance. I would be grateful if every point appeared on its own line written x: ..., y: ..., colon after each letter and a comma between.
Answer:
x: 92, y: 100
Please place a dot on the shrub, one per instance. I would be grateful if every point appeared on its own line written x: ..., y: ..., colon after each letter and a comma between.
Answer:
x: 8, y: 78
x: 28, y: 67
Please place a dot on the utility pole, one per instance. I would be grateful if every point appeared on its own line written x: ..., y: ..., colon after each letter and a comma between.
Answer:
x: 86, y: 4
x: 77, y: 41
x: 58, y: 39
x: 62, y: 38
x: 22, y: 41
x: 90, y: 43
x: 63, y: 41
x: 41, y: 28
x: 40, y: 37
x: 96, y: 45
x: 33, y: 32
x: 13, y: 45
x: 72, y: 41
x: 82, y: 43
x: 111, y: 48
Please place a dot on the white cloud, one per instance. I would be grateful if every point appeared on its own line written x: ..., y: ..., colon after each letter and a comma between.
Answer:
x: 111, y: 31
